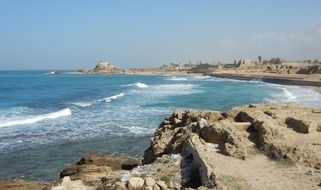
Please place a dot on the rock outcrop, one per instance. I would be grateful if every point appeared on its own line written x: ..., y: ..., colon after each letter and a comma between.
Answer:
x: 67, y: 184
x: 92, y: 168
x: 286, y: 133
x: 173, y: 131
x: 24, y: 185
x: 256, y: 146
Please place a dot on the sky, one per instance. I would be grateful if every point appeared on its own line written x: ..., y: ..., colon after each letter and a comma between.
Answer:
x: 75, y: 34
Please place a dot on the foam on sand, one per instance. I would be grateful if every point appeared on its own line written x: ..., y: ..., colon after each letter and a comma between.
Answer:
x: 37, y: 118
x: 288, y: 94
x: 302, y: 95
x: 295, y: 94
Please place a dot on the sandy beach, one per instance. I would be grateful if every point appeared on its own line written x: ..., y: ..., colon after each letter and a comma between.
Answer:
x: 311, y: 81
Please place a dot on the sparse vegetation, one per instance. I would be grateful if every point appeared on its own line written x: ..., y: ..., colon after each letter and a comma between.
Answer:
x: 272, y: 153
x: 166, y: 179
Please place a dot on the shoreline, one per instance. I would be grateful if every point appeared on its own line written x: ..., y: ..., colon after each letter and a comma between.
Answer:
x: 191, y: 146
x: 245, y: 77
x: 282, y: 79
x: 273, y: 79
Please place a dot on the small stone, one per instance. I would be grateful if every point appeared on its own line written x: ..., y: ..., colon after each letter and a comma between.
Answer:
x: 166, y: 122
x: 171, y: 185
x: 252, y: 106
x: 310, y: 172
x: 177, y: 121
x: 156, y: 187
x: 135, y: 183
x: 120, y: 186
x: 149, y: 182
x: 148, y: 188
x: 162, y: 185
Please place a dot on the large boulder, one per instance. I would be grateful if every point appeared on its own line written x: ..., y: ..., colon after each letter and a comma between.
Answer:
x: 176, y: 129
x: 135, y: 183
x: 24, y: 185
x: 89, y: 174
x: 302, y: 125
x: 116, y: 162
x: 229, y: 138
x: 92, y: 168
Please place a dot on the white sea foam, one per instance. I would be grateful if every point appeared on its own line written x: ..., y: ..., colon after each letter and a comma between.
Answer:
x: 170, y: 90
x: 288, y: 94
x: 174, y: 78
x: 135, y: 130
x: 305, y: 96
x: 295, y: 94
x: 109, y: 99
x: 51, y: 73
x: 36, y: 118
x: 82, y: 104
x: 139, y: 85
x: 200, y: 77
x: 102, y: 100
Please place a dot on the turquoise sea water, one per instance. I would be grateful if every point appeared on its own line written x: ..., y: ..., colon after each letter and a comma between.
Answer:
x: 48, y: 121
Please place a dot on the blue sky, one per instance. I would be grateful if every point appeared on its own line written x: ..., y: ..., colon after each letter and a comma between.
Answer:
x: 76, y: 34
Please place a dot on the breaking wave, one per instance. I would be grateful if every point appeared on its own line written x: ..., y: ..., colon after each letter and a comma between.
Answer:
x: 295, y: 94
x: 52, y: 73
x: 102, y: 100
x: 139, y: 85
x: 82, y: 104
x: 174, y: 78
x: 37, y: 118
x: 289, y: 96
x: 170, y: 90
x: 109, y: 99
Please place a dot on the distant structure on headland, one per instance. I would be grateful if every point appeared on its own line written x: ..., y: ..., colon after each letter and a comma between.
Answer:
x: 102, y: 67
x: 273, y: 65
x: 245, y: 64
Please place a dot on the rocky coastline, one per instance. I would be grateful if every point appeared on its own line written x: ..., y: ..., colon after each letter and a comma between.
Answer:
x: 271, y: 71
x: 256, y: 146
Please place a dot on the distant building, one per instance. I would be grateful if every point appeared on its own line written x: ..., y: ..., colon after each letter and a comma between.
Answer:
x: 104, y: 67
x: 245, y: 64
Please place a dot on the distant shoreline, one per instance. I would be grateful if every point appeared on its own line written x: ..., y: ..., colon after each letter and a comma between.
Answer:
x: 283, y: 80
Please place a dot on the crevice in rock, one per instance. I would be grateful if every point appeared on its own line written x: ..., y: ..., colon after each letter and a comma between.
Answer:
x: 189, y: 172
x: 253, y: 135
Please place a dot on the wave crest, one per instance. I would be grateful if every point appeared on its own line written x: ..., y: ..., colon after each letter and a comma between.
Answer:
x: 37, y: 118
x: 82, y: 104
x: 109, y: 99
x: 103, y: 100
x: 139, y: 85
x: 174, y: 78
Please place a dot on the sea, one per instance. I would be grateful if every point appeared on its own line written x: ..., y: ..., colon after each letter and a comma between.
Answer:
x: 49, y: 121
